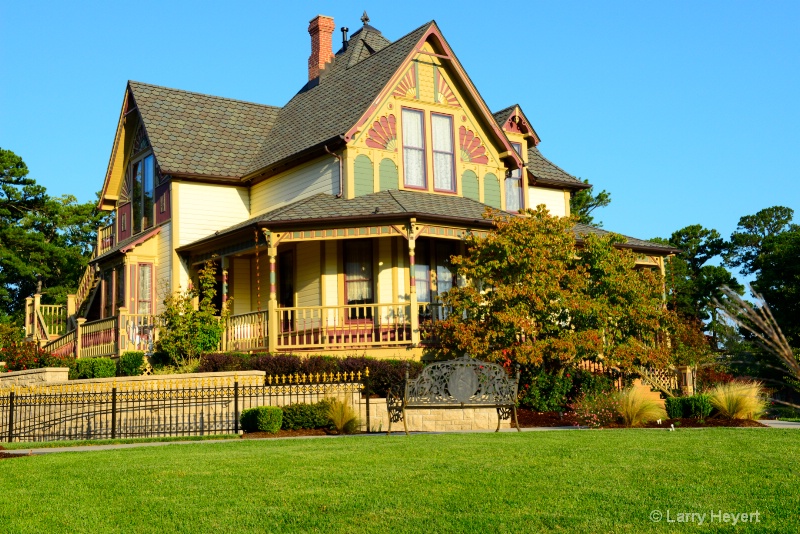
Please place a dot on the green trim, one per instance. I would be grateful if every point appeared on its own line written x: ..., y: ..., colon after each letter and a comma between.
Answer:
x: 469, y: 185
x: 491, y: 191
x: 363, y: 178
x: 388, y: 175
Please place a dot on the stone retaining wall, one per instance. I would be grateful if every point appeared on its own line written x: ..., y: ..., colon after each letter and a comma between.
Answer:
x: 34, y: 377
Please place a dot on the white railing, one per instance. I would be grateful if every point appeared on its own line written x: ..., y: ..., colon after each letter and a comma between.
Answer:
x: 247, y: 331
x: 54, y: 318
x: 359, y: 325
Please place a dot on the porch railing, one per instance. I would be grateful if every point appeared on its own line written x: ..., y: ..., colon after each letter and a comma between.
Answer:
x: 105, y: 239
x: 63, y: 346
x: 98, y: 338
x: 54, y: 318
x: 247, y: 331
x: 138, y: 332
x: 356, y: 325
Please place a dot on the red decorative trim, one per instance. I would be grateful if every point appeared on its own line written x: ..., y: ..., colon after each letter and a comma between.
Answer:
x: 383, y: 134
x: 142, y: 239
x: 407, y: 84
x: 472, y: 149
x: 446, y: 94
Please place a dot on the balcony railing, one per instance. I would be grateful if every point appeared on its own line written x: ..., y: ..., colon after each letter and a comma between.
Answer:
x: 106, y: 239
x: 246, y: 332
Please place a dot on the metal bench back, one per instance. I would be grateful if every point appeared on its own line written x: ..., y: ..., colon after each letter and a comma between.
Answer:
x: 462, y: 381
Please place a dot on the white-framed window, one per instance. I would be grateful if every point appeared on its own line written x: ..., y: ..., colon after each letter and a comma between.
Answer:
x: 444, y: 162
x: 514, y: 201
x: 414, y: 149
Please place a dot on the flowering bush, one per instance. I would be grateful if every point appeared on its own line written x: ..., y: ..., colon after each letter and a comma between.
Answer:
x: 596, y: 410
x: 21, y: 355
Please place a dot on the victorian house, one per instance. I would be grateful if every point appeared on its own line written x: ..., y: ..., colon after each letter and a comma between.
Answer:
x: 331, y: 219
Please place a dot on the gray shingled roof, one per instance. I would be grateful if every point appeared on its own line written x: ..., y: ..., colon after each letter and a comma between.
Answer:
x: 322, y: 207
x: 583, y: 229
x: 500, y: 117
x: 192, y: 133
x: 543, y: 169
x: 325, y: 111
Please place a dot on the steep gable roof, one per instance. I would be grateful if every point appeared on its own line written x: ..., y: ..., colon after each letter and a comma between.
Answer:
x: 201, y: 135
x: 323, y: 112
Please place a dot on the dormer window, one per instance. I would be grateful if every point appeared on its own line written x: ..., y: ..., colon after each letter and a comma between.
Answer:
x: 514, y: 201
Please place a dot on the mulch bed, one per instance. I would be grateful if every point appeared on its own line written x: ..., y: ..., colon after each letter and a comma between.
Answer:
x: 529, y: 419
x: 10, y: 454
x: 287, y: 434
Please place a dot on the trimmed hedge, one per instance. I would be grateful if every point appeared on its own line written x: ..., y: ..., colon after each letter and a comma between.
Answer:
x: 262, y: 419
x: 698, y: 406
x: 306, y: 416
x: 96, y: 368
x: 383, y: 374
x: 130, y: 363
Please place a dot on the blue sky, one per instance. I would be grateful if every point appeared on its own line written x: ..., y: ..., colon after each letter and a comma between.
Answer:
x: 687, y: 112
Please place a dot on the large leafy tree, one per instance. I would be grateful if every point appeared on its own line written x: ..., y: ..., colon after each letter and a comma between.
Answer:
x: 584, y: 202
x: 693, y: 283
x: 537, y: 298
x: 42, y: 239
x: 747, y: 240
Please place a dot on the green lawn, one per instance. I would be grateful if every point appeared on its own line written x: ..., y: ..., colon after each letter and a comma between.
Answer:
x: 570, y: 481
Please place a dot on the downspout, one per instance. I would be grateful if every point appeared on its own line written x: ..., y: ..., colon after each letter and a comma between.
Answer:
x: 339, y: 158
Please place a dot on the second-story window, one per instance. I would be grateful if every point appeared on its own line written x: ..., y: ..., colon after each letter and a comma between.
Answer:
x: 142, y: 192
x: 443, y: 155
x: 514, y: 189
x: 414, y: 149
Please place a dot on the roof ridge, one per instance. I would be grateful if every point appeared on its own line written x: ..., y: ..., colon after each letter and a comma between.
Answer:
x: 505, y: 109
x: 204, y: 94
x: 392, y: 43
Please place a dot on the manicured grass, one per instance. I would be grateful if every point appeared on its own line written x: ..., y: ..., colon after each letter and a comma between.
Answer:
x: 569, y: 481
x: 85, y: 442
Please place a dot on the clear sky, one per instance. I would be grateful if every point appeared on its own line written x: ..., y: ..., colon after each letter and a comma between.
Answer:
x: 687, y: 112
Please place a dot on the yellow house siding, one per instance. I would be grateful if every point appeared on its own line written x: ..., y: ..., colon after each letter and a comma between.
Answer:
x: 319, y: 176
x: 385, y: 271
x: 308, y: 275
x: 553, y: 199
x: 205, y: 208
x: 240, y: 287
x: 163, y: 285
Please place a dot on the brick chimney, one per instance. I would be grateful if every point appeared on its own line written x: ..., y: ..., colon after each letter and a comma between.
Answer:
x: 321, y: 30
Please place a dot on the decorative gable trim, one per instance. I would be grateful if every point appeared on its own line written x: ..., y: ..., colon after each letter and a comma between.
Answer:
x: 434, y: 33
x: 518, y: 123
x: 383, y: 134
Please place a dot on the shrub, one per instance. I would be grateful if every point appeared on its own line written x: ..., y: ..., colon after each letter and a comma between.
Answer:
x: 596, y: 410
x: 131, y: 363
x: 383, y: 374
x: 342, y: 416
x: 699, y: 405
x: 300, y: 416
x: 276, y: 364
x: 84, y: 368
x: 103, y: 368
x: 636, y: 410
x: 739, y: 400
x: 23, y: 355
x: 710, y: 376
x: 262, y: 419
x: 319, y: 364
x: 674, y: 407
x: 546, y: 392
x: 591, y: 383
x: 224, y: 361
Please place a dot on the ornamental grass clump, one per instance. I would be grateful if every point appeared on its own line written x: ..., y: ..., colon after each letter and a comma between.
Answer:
x: 635, y: 410
x: 342, y: 416
x: 739, y: 400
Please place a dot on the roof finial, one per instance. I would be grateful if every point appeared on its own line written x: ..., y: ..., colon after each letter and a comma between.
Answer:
x: 365, y: 18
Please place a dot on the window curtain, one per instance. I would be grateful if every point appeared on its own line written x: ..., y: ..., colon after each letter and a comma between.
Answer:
x: 443, y: 161
x: 145, y: 289
x: 413, y: 148
x: 358, y: 272
x: 514, y: 192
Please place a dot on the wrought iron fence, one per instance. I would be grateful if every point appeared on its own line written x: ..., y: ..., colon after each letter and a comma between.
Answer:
x: 185, y: 407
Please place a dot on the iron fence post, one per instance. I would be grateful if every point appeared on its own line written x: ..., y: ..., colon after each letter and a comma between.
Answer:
x: 10, y: 416
x: 113, y: 413
x: 367, y: 393
x: 236, y: 407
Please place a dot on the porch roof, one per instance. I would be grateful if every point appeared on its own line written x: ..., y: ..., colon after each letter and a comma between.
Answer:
x: 127, y: 245
x: 639, y: 245
x: 376, y: 207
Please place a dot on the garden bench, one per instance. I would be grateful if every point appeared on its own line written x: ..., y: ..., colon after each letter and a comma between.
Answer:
x: 457, y: 384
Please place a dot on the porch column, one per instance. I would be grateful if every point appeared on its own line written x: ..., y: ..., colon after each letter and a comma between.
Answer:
x: 28, y: 317
x: 272, y: 304
x: 72, y: 305
x: 37, y: 302
x: 122, y: 330
x: 78, y: 340
x: 412, y: 283
x: 225, y: 265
